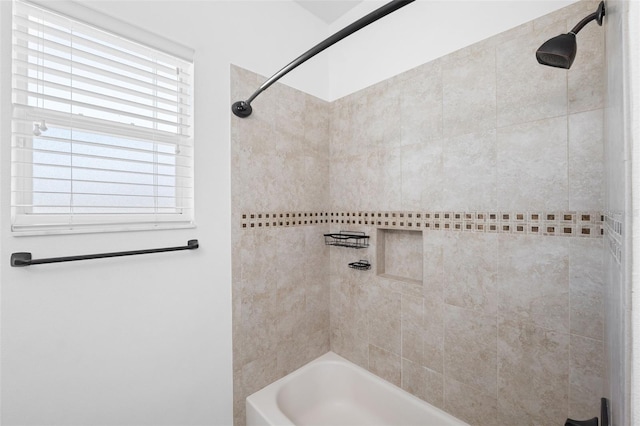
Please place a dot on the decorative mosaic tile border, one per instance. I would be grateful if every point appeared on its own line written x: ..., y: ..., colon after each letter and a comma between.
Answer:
x: 613, y: 229
x: 283, y: 219
x: 580, y: 224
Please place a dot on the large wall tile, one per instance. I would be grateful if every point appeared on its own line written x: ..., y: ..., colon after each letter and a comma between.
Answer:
x: 470, y: 348
x: 532, y: 166
x: 433, y: 292
x: 434, y: 388
x: 413, y: 317
x: 414, y: 378
x: 385, y: 364
x: 469, y: 172
x: 586, y: 372
x: 350, y: 347
x: 315, y: 170
x: 408, y: 288
x: 300, y: 349
x: 269, y: 187
x: 376, y: 118
x: 469, y: 92
x: 291, y: 309
x: 533, y: 281
x: 422, y: 175
x: 586, y: 285
x: 347, y: 183
x: 470, y: 271
x: 385, y: 319
x: 533, y: 376
x: 316, y: 128
x: 470, y: 405
x: 586, y: 80
x: 586, y: 161
x: 389, y: 188
x: 257, y: 374
x: 349, y: 307
x: 434, y: 335
x: 289, y: 355
x: 341, y: 127
x: 421, y: 104
x: 317, y: 303
x: 433, y: 267
x: 528, y: 91
x: 258, y: 307
x: 290, y: 107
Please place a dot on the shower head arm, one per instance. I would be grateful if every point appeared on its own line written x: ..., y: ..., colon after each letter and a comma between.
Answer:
x: 243, y: 108
x: 598, y: 16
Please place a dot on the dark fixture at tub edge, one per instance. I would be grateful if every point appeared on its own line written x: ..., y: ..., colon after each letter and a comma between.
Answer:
x: 243, y: 109
x: 560, y: 51
x: 604, y: 417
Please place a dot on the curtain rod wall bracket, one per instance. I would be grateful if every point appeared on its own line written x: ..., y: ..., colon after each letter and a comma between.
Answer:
x: 243, y: 109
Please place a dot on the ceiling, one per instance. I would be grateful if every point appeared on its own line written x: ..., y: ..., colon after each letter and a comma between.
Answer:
x: 328, y: 10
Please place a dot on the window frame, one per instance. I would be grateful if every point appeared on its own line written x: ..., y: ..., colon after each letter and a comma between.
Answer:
x: 25, y: 222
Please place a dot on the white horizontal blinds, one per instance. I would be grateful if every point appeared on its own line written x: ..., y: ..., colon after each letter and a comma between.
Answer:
x: 97, y: 172
x: 101, y: 127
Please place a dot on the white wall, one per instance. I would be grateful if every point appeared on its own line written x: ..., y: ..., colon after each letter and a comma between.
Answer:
x: 142, y: 340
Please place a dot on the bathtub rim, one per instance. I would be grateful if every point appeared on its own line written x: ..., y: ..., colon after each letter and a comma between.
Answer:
x: 262, y: 404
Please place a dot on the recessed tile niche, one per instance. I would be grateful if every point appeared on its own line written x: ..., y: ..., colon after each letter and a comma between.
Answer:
x: 399, y: 255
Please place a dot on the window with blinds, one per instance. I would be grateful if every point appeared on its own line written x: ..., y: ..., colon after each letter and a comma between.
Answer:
x: 101, y: 129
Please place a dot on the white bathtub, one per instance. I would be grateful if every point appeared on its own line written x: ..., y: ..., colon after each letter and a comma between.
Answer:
x: 333, y: 391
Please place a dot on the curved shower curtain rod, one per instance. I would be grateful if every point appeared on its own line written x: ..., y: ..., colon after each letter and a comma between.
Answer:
x: 243, y: 108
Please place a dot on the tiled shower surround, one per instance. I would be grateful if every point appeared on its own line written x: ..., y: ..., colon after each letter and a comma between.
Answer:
x: 505, y: 325
x: 280, y: 161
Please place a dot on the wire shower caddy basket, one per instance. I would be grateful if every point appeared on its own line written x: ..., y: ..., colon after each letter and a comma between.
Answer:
x: 352, y: 239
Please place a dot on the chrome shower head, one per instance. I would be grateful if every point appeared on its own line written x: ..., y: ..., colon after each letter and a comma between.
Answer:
x: 560, y: 51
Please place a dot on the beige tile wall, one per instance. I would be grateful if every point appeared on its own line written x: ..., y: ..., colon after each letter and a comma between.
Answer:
x: 280, y: 274
x: 488, y: 304
x: 506, y: 326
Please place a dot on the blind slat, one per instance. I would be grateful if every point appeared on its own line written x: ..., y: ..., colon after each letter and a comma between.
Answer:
x: 141, y: 209
x: 98, y: 108
x: 74, y: 91
x: 29, y: 115
x: 120, y: 195
x: 98, y: 169
x: 20, y: 51
x: 61, y: 180
x: 49, y: 72
x: 76, y: 37
x: 77, y: 54
x: 80, y: 143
